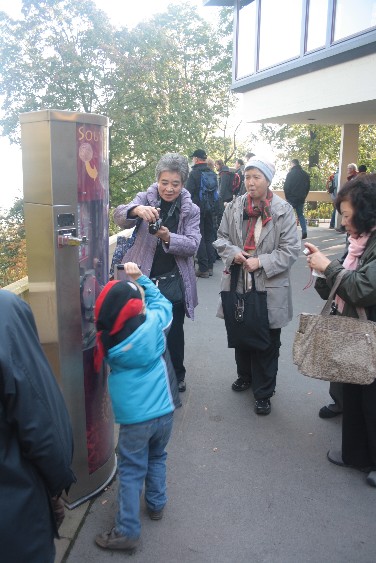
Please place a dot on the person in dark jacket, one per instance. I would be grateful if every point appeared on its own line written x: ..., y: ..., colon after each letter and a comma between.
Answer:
x: 36, y: 444
x: 296, y: 188
x: 205, y: 252
x: 225, y: 182
x: 356, y: 201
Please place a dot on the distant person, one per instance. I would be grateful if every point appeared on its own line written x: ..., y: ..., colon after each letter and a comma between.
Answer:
x: 332, y: 188
x: 36, y: 445
x: 352, y: 171
x: 167, y: 238
x: 132, y: 320
x: 249, y: 155
x: 211, y: 163
x: 225, y: 183
x: 239, y: 169
x: 296, y: 188
x: 258, y: 231
x: 362, y: 169
x: 202, y: 184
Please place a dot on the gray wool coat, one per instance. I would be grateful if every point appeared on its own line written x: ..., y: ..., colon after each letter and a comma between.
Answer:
x: 277, y: 249
x: 183, y: 244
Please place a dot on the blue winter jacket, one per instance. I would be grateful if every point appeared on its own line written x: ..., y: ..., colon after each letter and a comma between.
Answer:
x: 139, y: 382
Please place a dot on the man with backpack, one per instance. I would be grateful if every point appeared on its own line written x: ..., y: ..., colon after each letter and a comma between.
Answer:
x: 296, y: 188
x: 202, y: 184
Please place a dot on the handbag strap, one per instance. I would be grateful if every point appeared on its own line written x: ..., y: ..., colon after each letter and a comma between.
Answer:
x: 235, y: 271
x: 327, y: 307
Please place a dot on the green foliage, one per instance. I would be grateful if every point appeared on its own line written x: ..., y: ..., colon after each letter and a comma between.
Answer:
x: 320, y: 211
x: 13, y: 248
x: 164, y: 85
x: 317, y: 147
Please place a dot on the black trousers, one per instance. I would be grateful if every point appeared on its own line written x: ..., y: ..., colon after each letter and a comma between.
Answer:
x: 359, y: 425
x: 260, y: 367
x: 175, y: 340
x: 205, y: 252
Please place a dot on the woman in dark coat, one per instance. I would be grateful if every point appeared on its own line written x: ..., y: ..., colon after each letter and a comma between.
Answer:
x: 356, y: 201
x: 36, y: 443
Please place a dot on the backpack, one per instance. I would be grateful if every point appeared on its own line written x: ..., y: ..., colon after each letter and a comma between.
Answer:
x: 330, y: 185
x: 208, y: 194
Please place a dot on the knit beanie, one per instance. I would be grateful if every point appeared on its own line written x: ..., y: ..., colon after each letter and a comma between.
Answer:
x: 264, y: 164
x: 118, y: 303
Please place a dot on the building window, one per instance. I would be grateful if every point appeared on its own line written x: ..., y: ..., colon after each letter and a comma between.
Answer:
x: 246, y: 40
x: 317, y: 24
x: 280, y: 31
x: 352, y: 17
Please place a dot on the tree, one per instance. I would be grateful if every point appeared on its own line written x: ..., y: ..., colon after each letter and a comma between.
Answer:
x: 13, y: 248
x: 165, y: 85
x: 317, y: 147
x: 179, y: 103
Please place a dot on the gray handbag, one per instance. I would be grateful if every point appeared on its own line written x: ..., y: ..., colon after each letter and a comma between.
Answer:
x: 334, y: 347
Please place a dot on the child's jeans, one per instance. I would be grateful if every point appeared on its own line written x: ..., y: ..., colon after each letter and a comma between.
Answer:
x: 142, y: 457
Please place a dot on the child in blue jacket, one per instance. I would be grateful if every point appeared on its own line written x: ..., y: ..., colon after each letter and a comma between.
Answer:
x: 132, y: 320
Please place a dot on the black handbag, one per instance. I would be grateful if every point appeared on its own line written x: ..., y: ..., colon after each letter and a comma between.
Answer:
x: 246, y: 315
x: 170, y: 285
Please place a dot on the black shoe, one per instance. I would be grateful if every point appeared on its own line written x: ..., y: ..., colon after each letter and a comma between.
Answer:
x: 326, y: 412
x: 182, y: 386
x: 155, y: 514
x: 262, y: 406
x: 304, y: 235
x: 240, y: 385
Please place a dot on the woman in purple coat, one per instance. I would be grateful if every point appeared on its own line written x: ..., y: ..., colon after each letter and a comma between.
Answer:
x: 167, y: 225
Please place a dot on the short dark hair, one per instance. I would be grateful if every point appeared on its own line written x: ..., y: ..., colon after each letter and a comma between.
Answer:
x: 241, y: 162
x: 360, y: 192
x: 220, y: 162
x: 295, y: 162
x: 362, y: 168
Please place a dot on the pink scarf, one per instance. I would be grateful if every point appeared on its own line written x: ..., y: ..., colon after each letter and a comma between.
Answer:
x: 356, y: 249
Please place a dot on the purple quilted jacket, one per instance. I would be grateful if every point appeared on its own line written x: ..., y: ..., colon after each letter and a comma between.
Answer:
x: 183, y: 244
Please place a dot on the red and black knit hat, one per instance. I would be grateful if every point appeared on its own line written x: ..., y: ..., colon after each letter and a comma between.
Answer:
x: 118, y: 302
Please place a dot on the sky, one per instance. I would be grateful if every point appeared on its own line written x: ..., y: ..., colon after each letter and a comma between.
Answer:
x: 120, y: 14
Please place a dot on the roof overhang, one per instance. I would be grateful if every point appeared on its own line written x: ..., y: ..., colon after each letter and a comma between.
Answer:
x: 218, y: 2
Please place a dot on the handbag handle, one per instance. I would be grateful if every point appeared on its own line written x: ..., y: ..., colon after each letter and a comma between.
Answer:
x: 235, y: 271
x: 327, y: 307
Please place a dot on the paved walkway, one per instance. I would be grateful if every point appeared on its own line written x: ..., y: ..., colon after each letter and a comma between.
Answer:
x: 244, y: 488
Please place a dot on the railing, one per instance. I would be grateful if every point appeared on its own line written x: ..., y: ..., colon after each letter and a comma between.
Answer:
x: 21, y: 287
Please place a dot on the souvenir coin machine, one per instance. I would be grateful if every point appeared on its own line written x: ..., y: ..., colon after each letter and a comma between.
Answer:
x: 65, y: 177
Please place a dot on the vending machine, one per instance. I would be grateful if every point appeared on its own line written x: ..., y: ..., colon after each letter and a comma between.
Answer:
x: 65, y: 177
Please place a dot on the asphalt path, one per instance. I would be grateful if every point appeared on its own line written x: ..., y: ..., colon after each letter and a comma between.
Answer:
x: 246, y: 488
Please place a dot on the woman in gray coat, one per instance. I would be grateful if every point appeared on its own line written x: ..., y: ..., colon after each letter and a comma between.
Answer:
x: 168, y: 235
x: 258, y: 230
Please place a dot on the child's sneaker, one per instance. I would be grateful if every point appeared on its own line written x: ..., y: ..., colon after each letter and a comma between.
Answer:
x: 155, y: 514
x: 112, y: 540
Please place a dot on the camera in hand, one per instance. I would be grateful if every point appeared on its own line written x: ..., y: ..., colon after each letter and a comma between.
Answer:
x: 155, y: 226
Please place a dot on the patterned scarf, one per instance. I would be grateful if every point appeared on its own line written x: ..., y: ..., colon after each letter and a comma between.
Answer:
x: 356, y: 249
x: 252, y: 213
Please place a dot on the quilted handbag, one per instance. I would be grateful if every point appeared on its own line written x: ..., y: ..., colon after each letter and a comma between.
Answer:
x: 334, y: 347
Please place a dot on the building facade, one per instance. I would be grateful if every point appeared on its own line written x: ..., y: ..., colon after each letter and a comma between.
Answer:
x: 307, y: 61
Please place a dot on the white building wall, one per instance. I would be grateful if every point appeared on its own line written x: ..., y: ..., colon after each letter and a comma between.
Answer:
x: 327, y: 95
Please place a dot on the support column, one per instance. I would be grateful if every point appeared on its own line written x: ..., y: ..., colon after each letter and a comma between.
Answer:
x: 348, y: 153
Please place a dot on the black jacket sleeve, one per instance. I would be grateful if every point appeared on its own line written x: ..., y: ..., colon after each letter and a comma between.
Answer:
x: 32, y: 401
